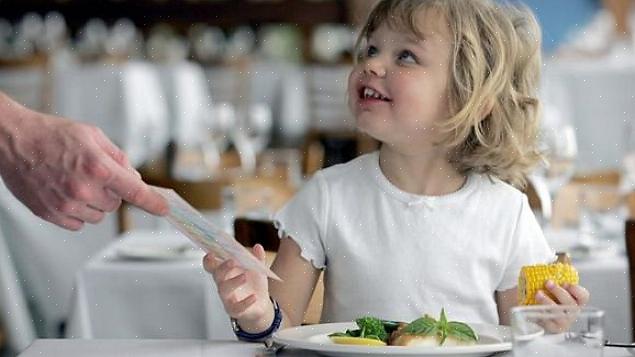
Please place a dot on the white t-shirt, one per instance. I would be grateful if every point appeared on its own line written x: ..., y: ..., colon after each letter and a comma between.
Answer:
x: 396, y: 255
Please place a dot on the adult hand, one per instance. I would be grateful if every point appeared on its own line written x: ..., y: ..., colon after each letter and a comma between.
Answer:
x: 66, y: 172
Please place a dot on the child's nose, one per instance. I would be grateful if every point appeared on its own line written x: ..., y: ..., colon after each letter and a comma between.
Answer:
x: 373, y: 66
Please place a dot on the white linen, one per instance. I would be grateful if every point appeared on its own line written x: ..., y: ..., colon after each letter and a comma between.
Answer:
x: 19, y: 326
x: 118, y: 298
x: 125, y: 100
x: 179, y: 348
x: 46, y: 258
x: 25, y: 85
x: 327, y: 89
x: 189, y: 101
x: 281, y: 86
x: 607, y: 279
x: 396, y: 255
x: 597, y: 96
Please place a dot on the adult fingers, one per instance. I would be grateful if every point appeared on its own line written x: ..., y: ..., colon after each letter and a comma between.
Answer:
x: 109, y: 148
x: 91, y: 194
x: 77, y: 205
x: 130, y: 188
x: 49, y: 213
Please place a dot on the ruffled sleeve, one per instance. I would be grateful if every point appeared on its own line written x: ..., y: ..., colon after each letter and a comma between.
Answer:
x: 304, y: 219
x: 528, y: 247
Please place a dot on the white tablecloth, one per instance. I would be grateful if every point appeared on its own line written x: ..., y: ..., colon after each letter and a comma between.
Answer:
x: 599, y: 99
x: 176, y: 299
x: 605, y: 274
x: 171, y: 298
x: 607, y: 280
x: 179, y: 348
x: 25, y: 85
x: 45, y: 259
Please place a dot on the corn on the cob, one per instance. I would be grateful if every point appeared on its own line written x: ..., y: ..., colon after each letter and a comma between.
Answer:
x: 533, y: 278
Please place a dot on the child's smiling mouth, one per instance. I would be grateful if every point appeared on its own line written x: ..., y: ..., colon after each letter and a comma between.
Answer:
x: 368, y: 95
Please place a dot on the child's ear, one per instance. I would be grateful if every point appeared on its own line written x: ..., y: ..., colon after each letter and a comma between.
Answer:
x: 486, y: 108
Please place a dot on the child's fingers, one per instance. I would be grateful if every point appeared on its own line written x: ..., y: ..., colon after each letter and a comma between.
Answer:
x: 227, y: 287
x: 544, y: 299
x: 259, y: 252
x: 228, y: 269
x: 562, y: 295
x: 210, y: 263
x: 579, y: 293
x: 555, y: 325
x: 236, y: 308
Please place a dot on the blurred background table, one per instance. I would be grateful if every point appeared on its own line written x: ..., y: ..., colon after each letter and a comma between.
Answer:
x: 597, y: 98
x: 141, y: 286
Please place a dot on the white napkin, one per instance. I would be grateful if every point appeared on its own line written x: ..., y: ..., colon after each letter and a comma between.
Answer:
x: 125, y: 100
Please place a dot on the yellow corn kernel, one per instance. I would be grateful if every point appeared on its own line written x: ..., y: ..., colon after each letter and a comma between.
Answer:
x: 533, y: 278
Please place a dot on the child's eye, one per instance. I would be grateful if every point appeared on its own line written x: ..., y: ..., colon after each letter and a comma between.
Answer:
x: 371, y: 51
x: 407, y: 57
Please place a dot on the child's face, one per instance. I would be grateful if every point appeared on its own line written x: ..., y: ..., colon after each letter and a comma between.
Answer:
x: 398, y: 90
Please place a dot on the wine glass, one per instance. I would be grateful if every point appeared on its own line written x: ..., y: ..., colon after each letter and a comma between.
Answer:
x: 221, y: 121
x: 252, y: 134
x: 559, y: 147
x: 561, y: 150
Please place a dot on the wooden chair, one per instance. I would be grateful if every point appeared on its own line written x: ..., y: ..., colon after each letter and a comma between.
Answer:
x: 251, y: 231
x: 630, y: 252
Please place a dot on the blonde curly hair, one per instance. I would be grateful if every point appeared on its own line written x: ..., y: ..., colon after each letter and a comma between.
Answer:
x: 495, y: 69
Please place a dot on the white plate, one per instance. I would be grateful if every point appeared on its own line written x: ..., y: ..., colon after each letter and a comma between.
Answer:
x: 149, y: 251
x: 492, y: 338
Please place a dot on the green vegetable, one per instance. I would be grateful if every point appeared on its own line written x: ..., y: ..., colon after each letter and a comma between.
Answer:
x: 370, y: 327
x: 428, y: 326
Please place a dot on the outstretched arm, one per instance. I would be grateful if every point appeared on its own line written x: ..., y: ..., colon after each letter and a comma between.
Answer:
x: 66, y: 172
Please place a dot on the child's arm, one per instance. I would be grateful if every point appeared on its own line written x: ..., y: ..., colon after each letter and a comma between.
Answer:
x: 505, y: 300
x: 299, y: 279
x: 245, y: 294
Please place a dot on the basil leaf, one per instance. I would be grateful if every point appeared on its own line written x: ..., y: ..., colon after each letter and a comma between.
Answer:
x: 423, y: 326
x: 444, y: 335
x: 443, y: 320
x: 461, y: 331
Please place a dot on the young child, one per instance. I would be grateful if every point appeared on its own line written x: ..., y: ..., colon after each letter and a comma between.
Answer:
x: 431, y: 220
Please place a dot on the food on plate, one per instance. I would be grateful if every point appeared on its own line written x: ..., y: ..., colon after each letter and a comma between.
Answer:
x: 371, y: 332
x: 424, y: 331
x: 533, y: 278
x: 360, y: 341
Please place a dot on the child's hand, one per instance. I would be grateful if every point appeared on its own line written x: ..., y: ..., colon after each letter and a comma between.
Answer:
x: 245, y: 293
x: 570, y: 295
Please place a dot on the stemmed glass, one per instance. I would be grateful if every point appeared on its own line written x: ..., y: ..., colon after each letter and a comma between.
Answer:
x: 561, y: 150
x: 221, y: 122
x: 559, y: 147
x: 252, y: 134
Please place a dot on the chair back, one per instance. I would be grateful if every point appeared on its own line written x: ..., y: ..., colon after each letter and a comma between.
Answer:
x: 629, y: 230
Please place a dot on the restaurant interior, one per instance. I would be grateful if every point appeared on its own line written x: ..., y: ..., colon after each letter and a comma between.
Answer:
x: 235, y: 104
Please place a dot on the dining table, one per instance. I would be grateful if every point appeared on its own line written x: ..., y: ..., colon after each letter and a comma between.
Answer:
x: 186, y: 348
